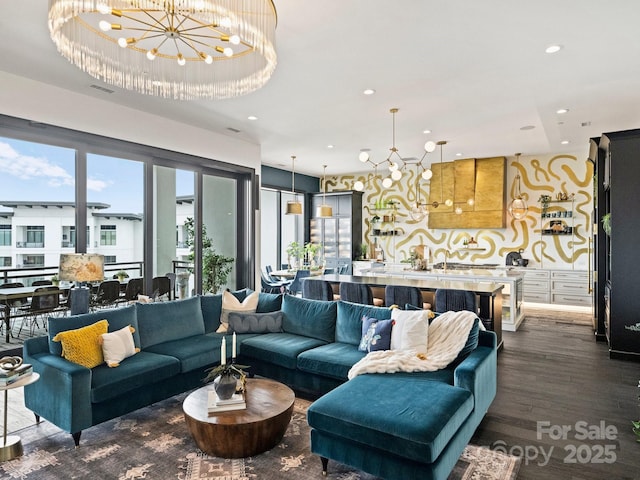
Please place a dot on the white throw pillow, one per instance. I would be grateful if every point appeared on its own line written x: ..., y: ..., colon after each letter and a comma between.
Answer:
x: 231, y: 304
x: 118, y: 345
x: 410, y: 330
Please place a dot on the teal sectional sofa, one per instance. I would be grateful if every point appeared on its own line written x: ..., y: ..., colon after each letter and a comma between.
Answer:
x: 397, y: 426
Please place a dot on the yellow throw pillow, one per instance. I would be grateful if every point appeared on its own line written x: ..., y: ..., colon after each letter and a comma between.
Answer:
x: 82, y: 345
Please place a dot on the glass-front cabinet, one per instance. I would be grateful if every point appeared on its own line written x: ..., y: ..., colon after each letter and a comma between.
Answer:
x: 341, y: 234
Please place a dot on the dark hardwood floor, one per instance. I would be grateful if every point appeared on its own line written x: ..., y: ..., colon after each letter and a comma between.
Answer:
x: 551, y: 374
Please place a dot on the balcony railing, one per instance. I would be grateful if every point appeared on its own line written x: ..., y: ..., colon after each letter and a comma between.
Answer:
x: 29, y: 244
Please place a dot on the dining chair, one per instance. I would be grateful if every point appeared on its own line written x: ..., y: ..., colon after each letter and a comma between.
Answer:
x: 133, y: 289
x: 160, y: 286
x: 39, y: 307
x: 41, y: 283
x: 295, y: 287
x: 455, y: 300
x: 172, y: 279
x: 317, y: 290
x: 107, y: 294
x: 358, y: 293
x: 269, y: 285
x: 403, y: 295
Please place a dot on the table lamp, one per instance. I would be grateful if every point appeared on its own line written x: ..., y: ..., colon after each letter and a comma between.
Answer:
x: 80, y: 268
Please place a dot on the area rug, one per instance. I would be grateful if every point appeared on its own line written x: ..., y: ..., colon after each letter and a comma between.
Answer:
x: 153, y: 443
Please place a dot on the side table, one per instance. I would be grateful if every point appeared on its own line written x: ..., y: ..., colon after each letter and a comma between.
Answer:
x: 11, y: 446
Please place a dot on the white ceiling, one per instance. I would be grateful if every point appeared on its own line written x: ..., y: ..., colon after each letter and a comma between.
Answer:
x: 474, y: 72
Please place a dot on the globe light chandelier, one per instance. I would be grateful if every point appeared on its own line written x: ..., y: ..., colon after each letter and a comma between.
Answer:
x: 397, y: 164
x: 518, y: 207
x: 180, y: 49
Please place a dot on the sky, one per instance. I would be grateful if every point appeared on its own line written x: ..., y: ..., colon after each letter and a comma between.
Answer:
x: 38, y: 172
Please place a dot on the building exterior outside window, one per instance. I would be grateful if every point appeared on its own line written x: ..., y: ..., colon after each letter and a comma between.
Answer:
x: 107, y: 235
x: 5, y: 235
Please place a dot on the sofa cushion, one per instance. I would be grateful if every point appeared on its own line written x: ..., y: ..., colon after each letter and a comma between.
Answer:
x: 166, y: 321
x: 117, y: 318
x: 145, y: 368
x: 472, y: 343
x: 310, y: 318
x: 349, y: 320
x: 118, y: 345
x: 376, y: 335
x: 231, y: 304
x: 82, y: 345
x: 331, y: 360
x: 280, y: 349
x: 411, y: 419
x: 410, y: 330
x: 199, y: 351
x: 269, y: 302
x: 240, y: 322
x: 212, y: 306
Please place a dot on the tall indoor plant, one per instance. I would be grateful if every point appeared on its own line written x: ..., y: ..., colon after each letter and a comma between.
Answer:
x: 215, y: 267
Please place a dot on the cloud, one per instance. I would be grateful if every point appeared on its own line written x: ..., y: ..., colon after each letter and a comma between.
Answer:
x: 97, y: 185
x: 26, y: 167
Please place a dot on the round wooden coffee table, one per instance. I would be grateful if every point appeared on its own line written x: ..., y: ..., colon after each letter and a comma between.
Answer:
x: 241, y: 433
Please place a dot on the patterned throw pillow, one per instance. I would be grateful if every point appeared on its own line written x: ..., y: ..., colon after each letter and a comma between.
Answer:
x: 118, y: 345
x: 82, y: 345
x: 376, y: 334
x: 241, y: 322
x: 231, y: 304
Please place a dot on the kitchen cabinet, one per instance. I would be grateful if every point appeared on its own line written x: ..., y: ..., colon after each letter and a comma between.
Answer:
x: 341, y: 234
x: 620, y: 199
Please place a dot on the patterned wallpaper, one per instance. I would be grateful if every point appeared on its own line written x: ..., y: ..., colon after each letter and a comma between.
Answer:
x: 551, y: 175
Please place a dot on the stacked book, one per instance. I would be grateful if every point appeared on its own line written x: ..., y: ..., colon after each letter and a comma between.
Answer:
x: 216, y: 405
x: 7, y: 377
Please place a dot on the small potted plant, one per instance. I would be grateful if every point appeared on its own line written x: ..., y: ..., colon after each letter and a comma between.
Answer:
x: 122, y: 275
x: 225, y: 379
x: 55, y: 281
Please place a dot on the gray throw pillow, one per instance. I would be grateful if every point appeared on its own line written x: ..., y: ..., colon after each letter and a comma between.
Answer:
x: 270, y: 322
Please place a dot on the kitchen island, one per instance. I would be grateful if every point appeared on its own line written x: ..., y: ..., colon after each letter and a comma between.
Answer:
x: 489, y: 293
x: 512, y: 281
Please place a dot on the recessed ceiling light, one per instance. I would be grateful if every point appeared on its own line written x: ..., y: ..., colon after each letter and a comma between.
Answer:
x: 553, y: 49
x: 527, y: 127
x: 426, y: 131
x: 562, y: 110
x: 252, y: 117
x: 564, y: 142
x: 329, y: 146
x: 458, y: 154
x: 369, y: 91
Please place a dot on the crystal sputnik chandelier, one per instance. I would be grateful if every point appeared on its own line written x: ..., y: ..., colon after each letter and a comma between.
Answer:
x: 180, y: 49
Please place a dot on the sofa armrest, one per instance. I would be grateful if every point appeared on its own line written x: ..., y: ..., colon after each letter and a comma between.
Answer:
x: 478, y: 373
x: 62, y: 395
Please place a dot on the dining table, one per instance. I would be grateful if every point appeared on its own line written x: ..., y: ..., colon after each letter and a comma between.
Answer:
x: 9, y: 295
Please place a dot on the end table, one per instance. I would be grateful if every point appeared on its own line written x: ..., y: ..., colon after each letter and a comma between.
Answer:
x: 11, y: 446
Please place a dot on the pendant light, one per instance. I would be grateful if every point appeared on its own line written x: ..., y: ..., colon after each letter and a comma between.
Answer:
x: 448, y: 202
x: 294, y: 207
x: 324, y: 210
x: 518, y: 207
x: 418, y: 210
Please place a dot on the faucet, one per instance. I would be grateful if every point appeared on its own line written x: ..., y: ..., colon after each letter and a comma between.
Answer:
x: 446, y: 255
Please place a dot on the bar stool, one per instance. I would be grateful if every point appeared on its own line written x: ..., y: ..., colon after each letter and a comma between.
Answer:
x: 359, y: 293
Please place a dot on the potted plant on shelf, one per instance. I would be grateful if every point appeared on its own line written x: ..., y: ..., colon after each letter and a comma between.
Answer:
x: 544, y: 204
x: 122, y: 275
x: 55, y: 281
x: 606, y: 223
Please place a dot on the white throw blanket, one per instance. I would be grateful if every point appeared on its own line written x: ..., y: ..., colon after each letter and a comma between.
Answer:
x: 447, y: 336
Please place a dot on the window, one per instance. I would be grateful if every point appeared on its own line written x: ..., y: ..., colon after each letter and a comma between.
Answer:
x: 109, y: 259
x: 5, y: 261
x: 5, y: 235
x: 33, y: 261
x: 107, y: 234
x: 35, y: 236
